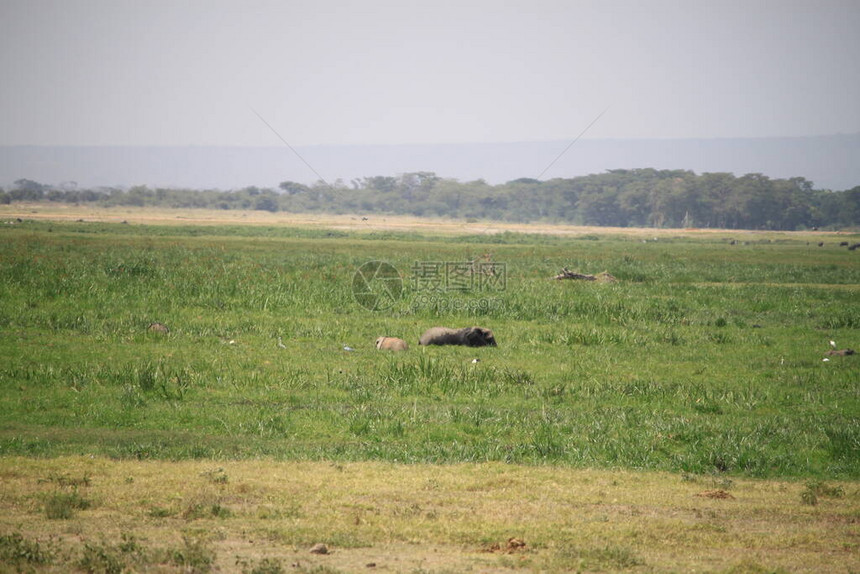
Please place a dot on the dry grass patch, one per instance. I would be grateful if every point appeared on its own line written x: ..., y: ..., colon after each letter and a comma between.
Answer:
x: 260, y: 516
x: 444, y: 226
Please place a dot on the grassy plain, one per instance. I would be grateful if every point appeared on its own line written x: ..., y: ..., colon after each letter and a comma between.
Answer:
x: 587, y: 432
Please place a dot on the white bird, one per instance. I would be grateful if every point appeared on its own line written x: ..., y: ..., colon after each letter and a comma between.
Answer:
x: 281, y: 344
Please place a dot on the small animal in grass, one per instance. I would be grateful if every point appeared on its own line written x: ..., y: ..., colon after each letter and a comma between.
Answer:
x: 468, y: 337
x: 391, y: 344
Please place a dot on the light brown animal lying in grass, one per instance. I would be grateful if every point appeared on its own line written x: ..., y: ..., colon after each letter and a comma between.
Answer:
x: 391, y: 344
x: 469, y: 337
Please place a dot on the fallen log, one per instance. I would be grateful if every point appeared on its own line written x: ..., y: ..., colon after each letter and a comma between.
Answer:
x: 839, y: 353
x: 568, y: 274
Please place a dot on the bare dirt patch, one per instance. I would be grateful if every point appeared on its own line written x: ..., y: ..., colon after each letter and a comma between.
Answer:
x: 512, y: 546
x: 718, y: 494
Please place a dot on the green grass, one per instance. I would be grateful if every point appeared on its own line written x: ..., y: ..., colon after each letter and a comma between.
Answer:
x: 702, y: 358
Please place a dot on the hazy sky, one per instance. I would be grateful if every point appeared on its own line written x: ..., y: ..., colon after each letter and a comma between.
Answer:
x: 94, y: 72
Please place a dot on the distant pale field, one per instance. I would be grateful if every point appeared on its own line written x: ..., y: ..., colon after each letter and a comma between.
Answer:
x: 163, y: 216
x: 241, y: 515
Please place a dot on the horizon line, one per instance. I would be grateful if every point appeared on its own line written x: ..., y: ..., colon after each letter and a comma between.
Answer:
x: 426, y: 144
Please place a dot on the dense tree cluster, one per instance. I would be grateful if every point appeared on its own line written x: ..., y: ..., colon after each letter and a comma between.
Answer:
x: 622, y: 198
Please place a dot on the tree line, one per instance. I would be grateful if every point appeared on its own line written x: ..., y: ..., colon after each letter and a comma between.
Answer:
x: 619, y: 198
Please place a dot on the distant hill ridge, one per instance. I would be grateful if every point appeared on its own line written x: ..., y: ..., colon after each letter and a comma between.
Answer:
x: 830, y: 162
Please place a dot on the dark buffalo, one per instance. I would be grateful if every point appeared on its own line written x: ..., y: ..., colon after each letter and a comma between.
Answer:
x: 469, y: 337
